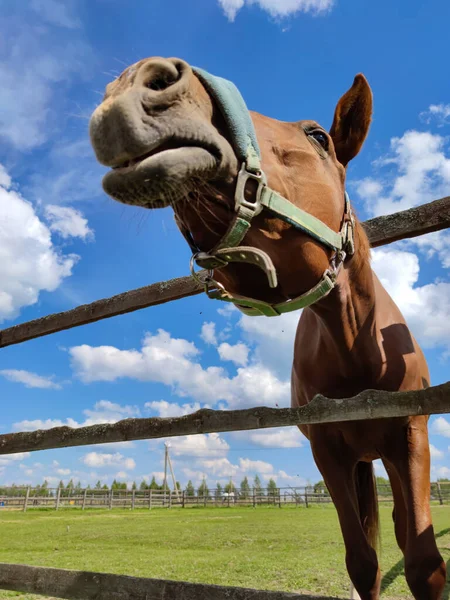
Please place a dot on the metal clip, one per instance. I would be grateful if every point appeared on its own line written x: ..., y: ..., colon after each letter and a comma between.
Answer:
x: 239, y: 195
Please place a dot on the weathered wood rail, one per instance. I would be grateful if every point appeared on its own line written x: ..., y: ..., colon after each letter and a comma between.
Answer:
x: 427, y: 218
x: 370, y: 404
x: 82, y: 585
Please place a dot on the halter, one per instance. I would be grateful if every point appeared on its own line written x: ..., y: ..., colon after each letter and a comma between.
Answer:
x: 228, y: 250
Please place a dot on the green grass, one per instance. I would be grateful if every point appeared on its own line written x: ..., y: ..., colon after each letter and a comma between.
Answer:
x: 287, y: 549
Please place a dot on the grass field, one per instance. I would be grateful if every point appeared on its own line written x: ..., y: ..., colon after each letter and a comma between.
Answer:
x: 287, y: 549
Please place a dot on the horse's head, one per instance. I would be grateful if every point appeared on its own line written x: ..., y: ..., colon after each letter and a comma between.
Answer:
x: 176, y: 135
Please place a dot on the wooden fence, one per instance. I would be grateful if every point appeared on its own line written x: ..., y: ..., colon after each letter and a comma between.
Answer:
x: 370, y: 404
x: 29, y: 498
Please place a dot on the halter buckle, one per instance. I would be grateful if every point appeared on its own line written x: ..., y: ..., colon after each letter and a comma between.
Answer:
x: 239, y: 195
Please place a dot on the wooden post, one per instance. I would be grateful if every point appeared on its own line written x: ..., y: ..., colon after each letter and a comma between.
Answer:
x: 279, y: 498
x: 58, y: 497
x: 150, y: 500
x: 170, y: 499
x: 183, y: 498
x: 25, y: 502
x: 133, y: 499
x: 111, y: 493
x: 441, y: 502
x: 306, y: 497
x: 83, y: 506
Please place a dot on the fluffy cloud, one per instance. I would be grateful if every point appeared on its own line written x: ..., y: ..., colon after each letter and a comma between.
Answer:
x: 68, y: 222
x: 435, y: 453
x: 420, y: 172
x: 99, y: 460
x: 425, y: 308
x: 103, y: 412
x: 439, y: 113
x: 277, y: 8
x: 208, y: 333
x: 441, y: 426
x: 9, y: 459
x: 171, y: 361
x: 170, y: 409
x: 30, y: 380
x: 56, y: 13
x: 237, y: 353
x: 29, y: 261
x: 206, y: 445
x: 278, y: 437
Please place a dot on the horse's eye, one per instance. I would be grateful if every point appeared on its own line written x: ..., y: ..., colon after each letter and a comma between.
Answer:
x: 320, y: 137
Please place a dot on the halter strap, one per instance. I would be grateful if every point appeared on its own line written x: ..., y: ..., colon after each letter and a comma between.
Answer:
x: 228, y: 249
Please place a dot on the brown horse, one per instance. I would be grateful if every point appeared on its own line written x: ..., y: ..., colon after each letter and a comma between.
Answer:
x: 163, y: 132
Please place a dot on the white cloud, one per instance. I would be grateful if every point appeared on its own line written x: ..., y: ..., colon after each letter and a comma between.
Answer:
x: 435, y: 453
x: 5, y: 179
x: 68, y: 222
x: 441, y: 426
x: 7, y: 460
x: 278, y: 437
x: 237, y: 353
x: 170, y: 361
x: 63, y: 472
x: 30, y: 380
x: 172, y: 409
x: 210, y: 444
x: 277, y: 8
x: 421, y: 174
x: 443, y: 472
x: 425, y: 308
x: 440, y: 113
x: 208, y: 333
x: 103, y: 412
x: 29, y: 261
x: 99, y: 460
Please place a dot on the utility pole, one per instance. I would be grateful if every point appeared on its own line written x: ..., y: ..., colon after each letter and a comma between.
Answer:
x: 166, y: 454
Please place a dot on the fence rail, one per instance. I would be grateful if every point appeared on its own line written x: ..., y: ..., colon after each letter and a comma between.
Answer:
x: 423, y: 219
x: 82, y: 585
x: 370, y: 404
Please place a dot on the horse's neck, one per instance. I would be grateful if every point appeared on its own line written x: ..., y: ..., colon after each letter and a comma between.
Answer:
x: 337, y: 346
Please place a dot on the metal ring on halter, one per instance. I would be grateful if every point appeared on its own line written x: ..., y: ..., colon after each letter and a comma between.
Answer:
x: 195, y: 275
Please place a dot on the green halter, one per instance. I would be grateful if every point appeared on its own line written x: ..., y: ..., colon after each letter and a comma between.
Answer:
x: 228, y: 250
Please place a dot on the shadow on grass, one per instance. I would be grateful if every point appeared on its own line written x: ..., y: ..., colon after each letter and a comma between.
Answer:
x: 398, y: 569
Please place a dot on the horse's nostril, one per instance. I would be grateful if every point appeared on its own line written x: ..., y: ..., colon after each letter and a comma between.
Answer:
x: 162, y: 79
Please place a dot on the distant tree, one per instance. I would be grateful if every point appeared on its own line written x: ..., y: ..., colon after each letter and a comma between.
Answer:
x: 219, y: 491
x: 259, y: 490
x: 203, y: 490
x: 245, y: 489
x: 444, y: 480
x: 153, y: 485
x: 190, y: 491
x: 105, y: 487
x: 98, y: 485
x: 320, y: 487
x: 230, y: 488
x: 383, y: 486
x: 144, y: 485
x: 134, y: 486
x: 178, y: 484
x: 272, y: 489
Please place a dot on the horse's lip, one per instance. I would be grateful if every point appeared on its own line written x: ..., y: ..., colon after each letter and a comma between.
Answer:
x: 171, y: 144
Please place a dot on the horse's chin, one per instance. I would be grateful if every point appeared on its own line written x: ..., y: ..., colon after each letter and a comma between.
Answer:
x: 163, y: 178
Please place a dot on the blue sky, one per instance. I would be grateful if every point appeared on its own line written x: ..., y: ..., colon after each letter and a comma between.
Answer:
x: 63, y: 242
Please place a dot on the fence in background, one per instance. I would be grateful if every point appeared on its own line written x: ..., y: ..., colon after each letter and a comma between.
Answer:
x: 26, y: 498
x: 370, y: 404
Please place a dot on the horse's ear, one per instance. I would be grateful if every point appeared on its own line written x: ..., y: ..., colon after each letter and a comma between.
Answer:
x: 352, y: 120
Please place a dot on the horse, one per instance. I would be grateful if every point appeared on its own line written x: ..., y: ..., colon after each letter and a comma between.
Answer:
x: 263, y: 206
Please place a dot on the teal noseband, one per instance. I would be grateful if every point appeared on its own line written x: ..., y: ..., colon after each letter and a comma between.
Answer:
x: 228, y: 250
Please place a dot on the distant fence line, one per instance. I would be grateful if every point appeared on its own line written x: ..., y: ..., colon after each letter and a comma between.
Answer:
x: 25, y: 498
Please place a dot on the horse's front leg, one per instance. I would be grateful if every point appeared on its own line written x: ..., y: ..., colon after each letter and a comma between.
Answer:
x: 410, y: 458
x: 338, y: 467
